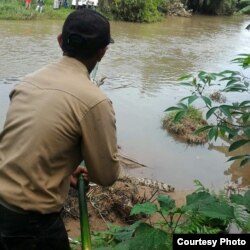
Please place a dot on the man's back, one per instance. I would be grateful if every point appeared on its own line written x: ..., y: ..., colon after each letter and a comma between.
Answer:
x: 57, y: 118
x: 46, y: 118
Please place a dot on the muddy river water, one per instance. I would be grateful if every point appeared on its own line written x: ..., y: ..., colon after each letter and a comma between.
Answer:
x: 141, y: 71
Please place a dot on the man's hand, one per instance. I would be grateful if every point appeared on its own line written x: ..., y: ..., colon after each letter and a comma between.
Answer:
x: 74, y: 177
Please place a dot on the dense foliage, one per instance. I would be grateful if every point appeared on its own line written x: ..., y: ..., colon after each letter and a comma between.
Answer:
x: 213, y: 7
x: 244, y: 6
x: 137, y: 10
x: 204, y: 212
x: 219, y: 7
x: 128, y: 10
x: 231, y: 121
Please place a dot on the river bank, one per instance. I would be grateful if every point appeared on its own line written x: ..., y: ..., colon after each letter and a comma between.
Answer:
x: 15, y: 10
x: 123, y: 11
x: 112, y: 205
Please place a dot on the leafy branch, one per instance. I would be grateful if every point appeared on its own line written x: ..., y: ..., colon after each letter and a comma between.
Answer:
x: 204, y: 212
x: 230, y: 121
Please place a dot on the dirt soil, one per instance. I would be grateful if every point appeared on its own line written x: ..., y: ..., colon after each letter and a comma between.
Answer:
x: 113, y: 204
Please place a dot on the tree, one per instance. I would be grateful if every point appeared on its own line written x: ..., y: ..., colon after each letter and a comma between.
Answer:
x: 137, y: 10
x: 219, y: 7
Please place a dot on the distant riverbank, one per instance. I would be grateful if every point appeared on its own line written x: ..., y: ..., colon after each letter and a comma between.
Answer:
x: 122, y: 10
x: 15, y: 10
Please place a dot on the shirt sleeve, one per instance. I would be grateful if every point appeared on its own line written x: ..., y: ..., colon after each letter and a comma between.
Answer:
x: 99, y: 144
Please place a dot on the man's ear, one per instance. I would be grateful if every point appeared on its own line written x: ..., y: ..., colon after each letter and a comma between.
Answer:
x: 101, y: 53
x: 59, y: 39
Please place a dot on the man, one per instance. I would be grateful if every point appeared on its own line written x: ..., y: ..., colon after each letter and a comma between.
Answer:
x: 39, y: 6
x: 27, y: 4
x: 57, y: 118
x: 65, y: 4
x: 56, y: 4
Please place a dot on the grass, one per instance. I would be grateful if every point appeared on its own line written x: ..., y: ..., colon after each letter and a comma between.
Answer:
x: 15, y: 10
x: 183, y: 130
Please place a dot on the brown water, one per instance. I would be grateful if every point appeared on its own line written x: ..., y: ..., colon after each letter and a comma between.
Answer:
x: 141, y: 69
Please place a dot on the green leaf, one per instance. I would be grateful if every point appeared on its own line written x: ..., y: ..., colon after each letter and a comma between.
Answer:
x: 195, y: 199
x: 247, y: 199
x: 226, y: 72
x: 206, y: 204
x: 237, y: 198
x: 235, y: 88
x: 239, y: 85
x: 243, y: 61
x: 146, y: 208
x: 125, y: 233
x: 200, y: 187
x: 226, y: 78
x: 244, y: 161
x: 230, y: 136
x: 244, y: 104
x: 230, y: 131
x: 199, y: 130
x: 213, y: 76
x: 192, y: 99
x: 179, y: 115
x: 245, y: 117
x: 124, y: 245
x: 235, y: 113
x: 222, y: 131
x: 202, y: 73
x: 213, y: 133
x: 246, y: 227
x: 207, y: 101
x: 246, y: 62
x: 172, y: 109
x: 238, y: 144
x: 232, y: 89
x: 183, y: 99
x: 166, y: 202
x: 194, y: 82
x: 148, y: 238
x: 233, y: 80
x: 182, y: 105
x: 236, y: 157
x: 203, y: 76
x: 218, y: 210
x: 225, y: 109
x: 210, y: 112
x: 184, y: 77
x: 186, y: 84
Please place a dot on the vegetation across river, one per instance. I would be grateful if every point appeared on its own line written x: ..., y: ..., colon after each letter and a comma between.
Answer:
x: 128, y: 10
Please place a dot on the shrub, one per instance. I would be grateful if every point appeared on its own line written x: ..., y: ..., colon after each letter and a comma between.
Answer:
x: 136, y: 10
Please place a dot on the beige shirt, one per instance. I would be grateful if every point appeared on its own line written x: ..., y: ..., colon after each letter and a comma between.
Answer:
x: 57, y: 118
